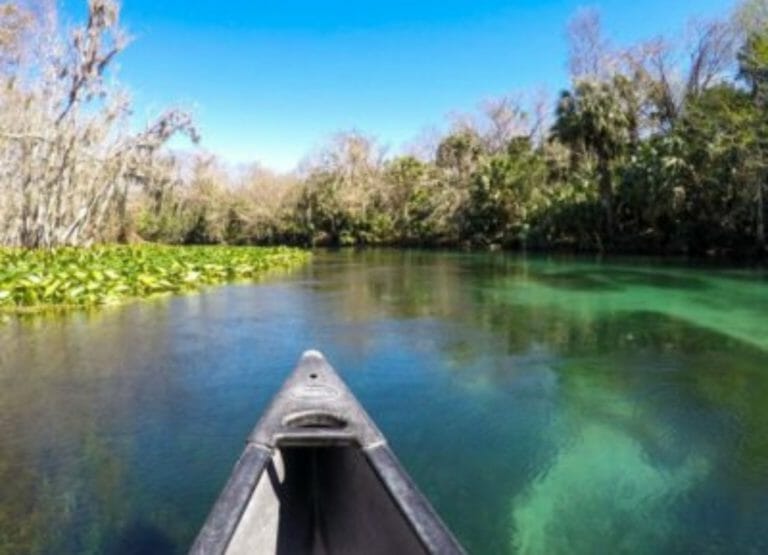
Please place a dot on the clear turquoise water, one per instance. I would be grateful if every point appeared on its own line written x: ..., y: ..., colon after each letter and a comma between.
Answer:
x: 544, y: 405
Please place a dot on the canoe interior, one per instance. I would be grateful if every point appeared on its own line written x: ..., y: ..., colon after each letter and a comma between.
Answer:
x: 322, y: 500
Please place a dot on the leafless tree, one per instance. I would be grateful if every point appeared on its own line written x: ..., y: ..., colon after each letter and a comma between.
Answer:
x: 750, y: 16
x: 15, y: 24
x: 664, y: 71
x: 540, y: 116
x: 264, y: 201
x: 589, y: 51
x: 505, y: 119
x: 712, y: 47
x: 654, y: 68
x: 342, y: 177
x: 67, y: 160
x: 424, y: 145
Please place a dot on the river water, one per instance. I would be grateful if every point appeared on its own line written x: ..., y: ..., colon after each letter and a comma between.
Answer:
x: 545, y: 405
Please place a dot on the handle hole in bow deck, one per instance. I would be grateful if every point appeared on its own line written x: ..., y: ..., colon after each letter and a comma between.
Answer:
x: 315, y: 420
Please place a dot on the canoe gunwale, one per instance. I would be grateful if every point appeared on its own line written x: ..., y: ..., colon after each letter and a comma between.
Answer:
x: 221, y: 524
x: 419, y: 513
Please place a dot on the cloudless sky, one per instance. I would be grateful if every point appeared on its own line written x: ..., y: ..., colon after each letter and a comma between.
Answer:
x: 268, y: 81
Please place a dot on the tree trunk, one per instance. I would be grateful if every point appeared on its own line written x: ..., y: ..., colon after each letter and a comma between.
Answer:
x: 760, y: 228
x: 606, y: 196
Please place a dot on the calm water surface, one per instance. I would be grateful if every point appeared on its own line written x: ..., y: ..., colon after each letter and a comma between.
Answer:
x: 544, y: 405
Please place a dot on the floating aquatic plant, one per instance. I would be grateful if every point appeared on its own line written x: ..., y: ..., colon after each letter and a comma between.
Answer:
x: 80, y: 277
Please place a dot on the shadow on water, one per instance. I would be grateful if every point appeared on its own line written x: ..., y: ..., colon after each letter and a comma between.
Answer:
x: 578, y: 281
x: 544, y: 405
x: 614, y: 279
x: 142, y: 537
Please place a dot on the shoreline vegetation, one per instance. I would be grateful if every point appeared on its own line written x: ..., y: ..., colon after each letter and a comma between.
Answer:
x: 41, y: 280
x: 657, y: 147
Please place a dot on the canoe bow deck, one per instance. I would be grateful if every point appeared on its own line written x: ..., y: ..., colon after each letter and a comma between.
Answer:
x: 318, y: 477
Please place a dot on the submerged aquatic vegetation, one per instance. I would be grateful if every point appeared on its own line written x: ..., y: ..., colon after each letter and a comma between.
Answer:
x: 616, y: 476
x: 589, y: 501
x: 83, y: 277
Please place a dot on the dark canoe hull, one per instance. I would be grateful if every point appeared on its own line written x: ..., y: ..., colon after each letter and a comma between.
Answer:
x: 317, y: 477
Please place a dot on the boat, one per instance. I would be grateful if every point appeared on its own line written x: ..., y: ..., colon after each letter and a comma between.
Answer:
x: 318, y: 477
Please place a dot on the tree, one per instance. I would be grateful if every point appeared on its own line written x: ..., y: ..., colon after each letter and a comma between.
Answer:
x: 67, y: 163
x: 16, y: 24
x: 459, y: 153
x: 599, y: 119
x: 718, y: 132
x: 712, y: 52
x: 753, y: 70
x: 403, y: 179
x: 341, y: 199
x: 590, y: 56
x: 653, y: 193
x: 504, y: 195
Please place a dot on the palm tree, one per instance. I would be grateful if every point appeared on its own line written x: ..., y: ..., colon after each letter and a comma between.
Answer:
x: 599, y: 119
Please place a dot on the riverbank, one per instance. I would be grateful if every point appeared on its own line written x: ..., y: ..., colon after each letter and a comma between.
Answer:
x: 38, y: 280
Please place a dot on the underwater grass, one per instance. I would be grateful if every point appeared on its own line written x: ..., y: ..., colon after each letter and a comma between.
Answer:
x: 35, y: 280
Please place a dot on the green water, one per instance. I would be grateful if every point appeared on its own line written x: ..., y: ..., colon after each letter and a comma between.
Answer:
x: 545, y: 405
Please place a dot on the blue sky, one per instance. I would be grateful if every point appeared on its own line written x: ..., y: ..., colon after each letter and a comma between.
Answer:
x: 269, y: 81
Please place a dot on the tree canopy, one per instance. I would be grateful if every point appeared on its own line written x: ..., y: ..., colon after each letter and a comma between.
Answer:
x: 656, y: 147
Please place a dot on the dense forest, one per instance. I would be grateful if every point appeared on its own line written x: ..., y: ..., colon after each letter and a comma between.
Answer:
x: 657, y: 147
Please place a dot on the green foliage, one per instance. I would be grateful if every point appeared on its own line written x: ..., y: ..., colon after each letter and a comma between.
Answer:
x: 416, y: 198
x: 643, y: 153
x: 110, y: 274
x: 571, y: 219
x: 600, y: 119
x: 719, y: 134
x: 608, y: 177
x: 167, y: 227
x: 459, y: 153
x: 504, y: 194
x: 753, y: 65
x: 652, y: 196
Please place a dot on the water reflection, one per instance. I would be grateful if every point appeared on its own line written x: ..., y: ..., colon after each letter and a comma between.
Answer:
x: 544, y: 405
